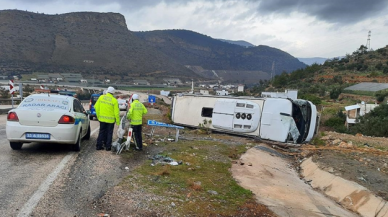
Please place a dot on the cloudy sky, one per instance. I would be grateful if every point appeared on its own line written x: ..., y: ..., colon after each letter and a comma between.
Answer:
x: 303, y: 28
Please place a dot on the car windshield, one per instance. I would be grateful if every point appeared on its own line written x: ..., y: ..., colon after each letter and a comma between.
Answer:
x: 122, y: 101
x: 94, y: 98
x: 45, y: 103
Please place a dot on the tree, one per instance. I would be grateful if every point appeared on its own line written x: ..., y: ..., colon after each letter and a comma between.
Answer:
x: 363, y: 49
x: 379, y: 66
x: 280, y: 80
x: 335, y: 92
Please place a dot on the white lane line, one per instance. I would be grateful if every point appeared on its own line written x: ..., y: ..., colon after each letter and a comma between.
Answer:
x: 35, y: 198
x: 95, y: 130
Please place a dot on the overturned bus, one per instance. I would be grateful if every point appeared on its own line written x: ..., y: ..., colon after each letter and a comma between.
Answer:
x: 276, y: 119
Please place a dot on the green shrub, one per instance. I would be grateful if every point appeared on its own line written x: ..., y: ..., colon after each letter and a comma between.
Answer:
x: 318, y: 142
x: 334, y: 122
x: 337, y: 122
x: 379, y: 66
x: 312, y: 98
x: 335, y: 92
x: 373, y: 123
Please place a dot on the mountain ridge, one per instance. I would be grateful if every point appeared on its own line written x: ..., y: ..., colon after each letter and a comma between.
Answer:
x: 101, y: 44
x: 87, y: 42
x: 195, y: 49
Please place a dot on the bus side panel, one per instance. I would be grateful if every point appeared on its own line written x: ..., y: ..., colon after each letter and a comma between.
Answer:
x: 273, y: 127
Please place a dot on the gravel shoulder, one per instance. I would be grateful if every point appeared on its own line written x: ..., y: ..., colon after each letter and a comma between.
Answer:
x: 96, y: 182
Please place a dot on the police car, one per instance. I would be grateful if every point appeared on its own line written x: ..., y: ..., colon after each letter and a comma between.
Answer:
x: 46, y: 118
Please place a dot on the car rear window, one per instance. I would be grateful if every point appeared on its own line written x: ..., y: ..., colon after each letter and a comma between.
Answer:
x: 45, y: 103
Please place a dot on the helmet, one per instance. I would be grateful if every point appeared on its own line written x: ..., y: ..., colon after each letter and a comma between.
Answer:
x: 110, y: 90
x: 135, y: 96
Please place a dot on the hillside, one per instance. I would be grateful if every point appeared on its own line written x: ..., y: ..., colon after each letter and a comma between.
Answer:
x: 239, y: 42
x: 336, y: 74
x: 196, y: 50
x: 86, y: 42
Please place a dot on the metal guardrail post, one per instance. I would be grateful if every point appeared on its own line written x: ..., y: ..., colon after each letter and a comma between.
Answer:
x: 177, y: 135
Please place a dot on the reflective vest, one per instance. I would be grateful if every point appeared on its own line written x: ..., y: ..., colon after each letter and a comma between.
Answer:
x: 136, y: 112
x: 107, y: 109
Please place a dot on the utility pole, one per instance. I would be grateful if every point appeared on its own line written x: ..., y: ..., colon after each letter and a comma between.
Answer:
x: 368, y: 41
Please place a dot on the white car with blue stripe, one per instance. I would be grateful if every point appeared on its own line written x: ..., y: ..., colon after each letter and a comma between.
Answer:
x: 48, y: 118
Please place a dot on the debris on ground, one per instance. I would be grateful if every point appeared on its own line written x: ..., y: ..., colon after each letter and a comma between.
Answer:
x: 160, y: 159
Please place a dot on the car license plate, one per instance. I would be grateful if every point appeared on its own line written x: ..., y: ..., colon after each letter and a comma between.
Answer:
x: 37, y: 136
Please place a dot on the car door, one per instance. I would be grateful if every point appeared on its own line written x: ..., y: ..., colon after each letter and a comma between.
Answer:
x: 80, y: 116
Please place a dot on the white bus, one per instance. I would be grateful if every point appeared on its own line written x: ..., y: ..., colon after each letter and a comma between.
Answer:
x: 275, y: 119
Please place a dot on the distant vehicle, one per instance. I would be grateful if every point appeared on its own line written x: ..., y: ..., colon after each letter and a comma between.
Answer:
x: 123, y: 105
x: 48, y: 119
x: 64, y: 92
x: 17, y: 97
x: 275, y: 119
x: 93, y: 99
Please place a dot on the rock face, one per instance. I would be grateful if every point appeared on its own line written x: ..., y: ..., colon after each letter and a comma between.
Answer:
x: 101, y: 44
x: 84, y: 42
x: 208, y: 56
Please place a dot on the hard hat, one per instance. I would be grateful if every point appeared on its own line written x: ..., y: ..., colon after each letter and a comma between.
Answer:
x: 135, y: 96
x: 110, y: 90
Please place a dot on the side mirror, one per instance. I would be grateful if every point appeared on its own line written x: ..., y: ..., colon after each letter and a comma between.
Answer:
x: 88, y: 112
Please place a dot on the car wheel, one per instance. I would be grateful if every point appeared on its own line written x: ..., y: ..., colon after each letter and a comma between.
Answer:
x: 16, y: 145
x: 87, y: 135
x: 90, y: 117
x: 77, y: 145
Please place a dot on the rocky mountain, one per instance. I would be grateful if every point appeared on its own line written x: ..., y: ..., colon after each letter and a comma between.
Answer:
x: 86, y: 42
x: 101, y: 44
x: 196, y: 50
x: 239, y: 42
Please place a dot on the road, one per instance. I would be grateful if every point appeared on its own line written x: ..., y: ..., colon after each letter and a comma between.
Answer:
x: 53, y: 180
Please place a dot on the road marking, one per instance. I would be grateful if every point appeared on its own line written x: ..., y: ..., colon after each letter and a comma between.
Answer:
x: 95, y: 130
x: 35, y: 198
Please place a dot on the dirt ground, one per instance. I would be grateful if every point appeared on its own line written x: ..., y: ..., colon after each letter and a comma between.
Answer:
x: 355, y: 158
x: 360, y: 159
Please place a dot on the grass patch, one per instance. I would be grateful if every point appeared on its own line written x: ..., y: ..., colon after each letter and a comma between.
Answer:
x: 318, y: 142
x: 201, y: 186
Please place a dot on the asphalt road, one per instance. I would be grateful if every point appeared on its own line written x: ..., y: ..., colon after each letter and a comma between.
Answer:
x: 53, y: 180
